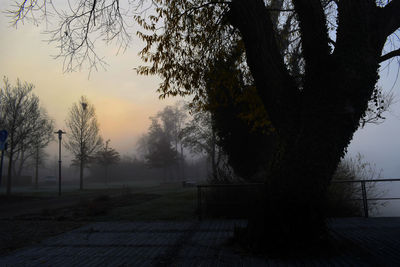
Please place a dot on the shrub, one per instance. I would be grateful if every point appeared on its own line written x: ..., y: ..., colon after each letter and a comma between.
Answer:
x: 345, y: 199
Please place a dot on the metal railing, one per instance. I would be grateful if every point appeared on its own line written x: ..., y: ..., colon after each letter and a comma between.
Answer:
x: 364, y: 196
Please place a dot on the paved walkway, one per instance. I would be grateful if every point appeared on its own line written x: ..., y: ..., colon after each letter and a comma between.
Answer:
x: 376, y: 242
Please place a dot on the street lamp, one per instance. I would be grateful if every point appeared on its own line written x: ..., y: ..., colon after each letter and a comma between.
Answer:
x: 60, y: 133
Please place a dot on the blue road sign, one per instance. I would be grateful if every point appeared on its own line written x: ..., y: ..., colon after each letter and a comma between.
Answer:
x: 3, y: 135
x: 3, y: 138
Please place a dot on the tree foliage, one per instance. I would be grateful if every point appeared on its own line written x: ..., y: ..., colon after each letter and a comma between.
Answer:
x: 158, y: 149
x: 107, y: 156
x: 162, y: 146
x: 200, y: 138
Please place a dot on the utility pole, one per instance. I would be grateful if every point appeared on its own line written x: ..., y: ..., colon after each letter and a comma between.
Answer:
x: 60, y: 133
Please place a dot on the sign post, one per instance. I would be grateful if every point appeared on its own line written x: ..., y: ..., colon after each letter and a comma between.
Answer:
x: 3, y: 146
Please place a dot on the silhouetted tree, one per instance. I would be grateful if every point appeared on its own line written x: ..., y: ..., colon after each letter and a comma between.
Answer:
x: 199, y: 137
x: 39, y: 141
x: 32, y: 148
x: 172, y: 119
x: 107, y: 156
x: 83, y: 136
x: 31, y: 152
x: 22, y: 118
x: 158, y: 150
x: 163, y: 136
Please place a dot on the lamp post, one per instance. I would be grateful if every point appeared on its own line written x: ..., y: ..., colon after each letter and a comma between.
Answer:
x: 60, y: 133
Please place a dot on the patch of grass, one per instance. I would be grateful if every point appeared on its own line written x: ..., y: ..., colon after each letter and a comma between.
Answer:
x: 179, y: 205
x: 164, y: 202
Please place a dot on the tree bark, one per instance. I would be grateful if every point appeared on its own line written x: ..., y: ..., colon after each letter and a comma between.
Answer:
x: 315, y: 124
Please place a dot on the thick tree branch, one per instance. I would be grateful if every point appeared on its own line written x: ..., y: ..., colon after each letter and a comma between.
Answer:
x: 390, y: 17
x: 314, y: 33
x: 276, y: 87
x: 389, y: 55
x: 359, y: 32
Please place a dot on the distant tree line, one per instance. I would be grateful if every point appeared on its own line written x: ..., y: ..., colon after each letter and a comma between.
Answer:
x: 30, y: 130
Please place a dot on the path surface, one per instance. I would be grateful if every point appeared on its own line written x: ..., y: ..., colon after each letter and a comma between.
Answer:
x: 376, y: 241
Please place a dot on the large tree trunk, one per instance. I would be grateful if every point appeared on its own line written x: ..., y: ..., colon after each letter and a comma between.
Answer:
x: 292, y: 214
x: 315, y: 124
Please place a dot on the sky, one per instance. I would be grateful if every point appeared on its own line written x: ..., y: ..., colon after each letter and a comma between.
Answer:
x: 124, y: 101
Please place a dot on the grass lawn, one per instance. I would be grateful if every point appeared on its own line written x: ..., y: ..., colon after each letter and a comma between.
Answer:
x: 161, y: 202
x: 168, y: 204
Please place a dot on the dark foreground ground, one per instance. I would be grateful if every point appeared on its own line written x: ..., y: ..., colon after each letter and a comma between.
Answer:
x: 29, y: 218
x: 157, y: 226
x: 362, y: 242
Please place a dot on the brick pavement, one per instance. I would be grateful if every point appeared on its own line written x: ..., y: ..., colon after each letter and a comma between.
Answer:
x: 194, y: 243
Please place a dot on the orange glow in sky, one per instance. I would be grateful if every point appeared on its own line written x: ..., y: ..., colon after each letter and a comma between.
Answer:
x: 123, y: 100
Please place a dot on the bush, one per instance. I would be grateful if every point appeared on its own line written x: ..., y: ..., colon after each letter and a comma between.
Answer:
x: 345, y: 199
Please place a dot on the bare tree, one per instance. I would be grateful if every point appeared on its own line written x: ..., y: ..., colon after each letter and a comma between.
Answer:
x: 40, y: 140
x: 107, y: 156
x: 32, y: 148
x: 172, y: 119
x: 20, y: 116
x: 83, y: 137
x: 199, y: 137
x: 77, y: 33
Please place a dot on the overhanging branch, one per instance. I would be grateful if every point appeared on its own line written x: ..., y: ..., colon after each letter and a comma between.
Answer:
x: 389, y: 55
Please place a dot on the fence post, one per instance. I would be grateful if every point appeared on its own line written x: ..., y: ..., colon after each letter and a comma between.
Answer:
x: 364, y: 197
x: 199, y: 202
